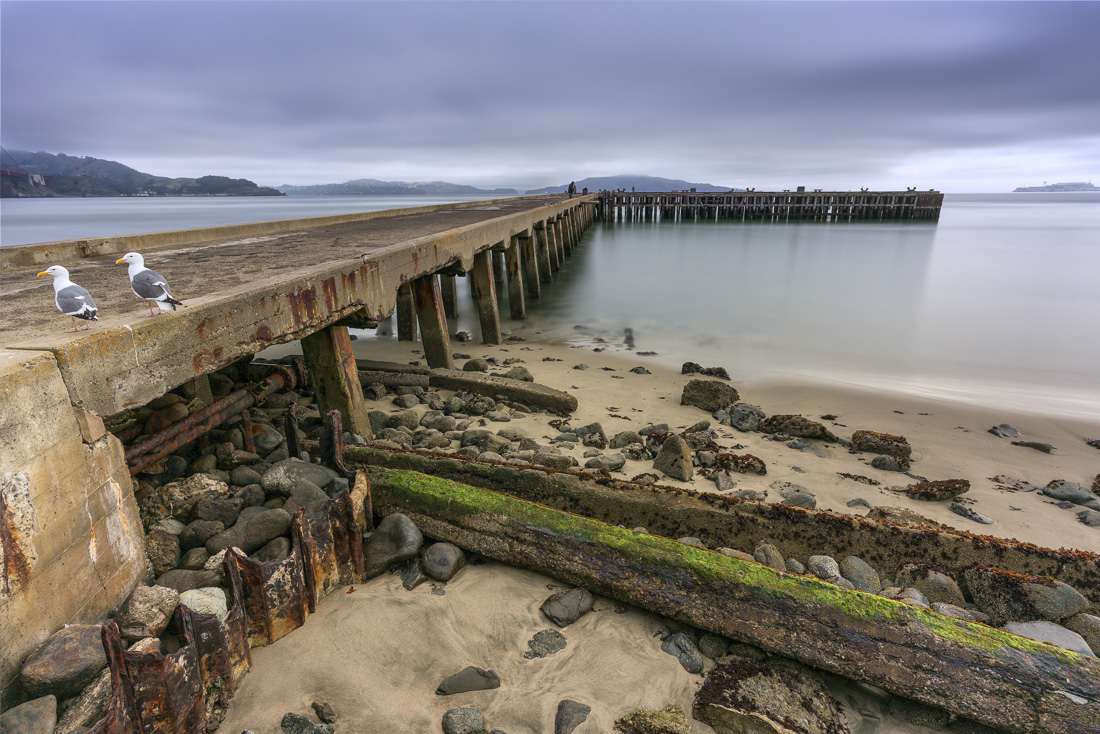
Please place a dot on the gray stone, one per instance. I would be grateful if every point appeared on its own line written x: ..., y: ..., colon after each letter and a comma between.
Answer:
x: 469, y: 679
x: 442, y: 561
x: 411, y: 573
x: 33, y: 717
x: 182, y: 581
x: 609, y: 462
x: 674, y: 458
x: 656, y: 428
x: 68, y: 661
x: 1088, y: 627
x: 710, y: 395
x: 406, y: 401
x: 308, y: 495
x: 544, y: 643
x: 463, y: 721
x: 722, y: 480
x: 282, y: 476
x: 713, y: 646
x: 198, y: 532
x: 795, y: 566
x: 745, y: 417
x: 1004, y: 430
x: 222, y: 509
x: 769, y: 555
x: 162, y: 548
x: 625, y: 438
x: 520, y: 373
x: 147, y: 612
x: 566, y: 607
x: 798, y: 497
x: 242, y: 476
x: 476, y: 365
x: 1073, y: 492
x: 324, y: 711
x: 680, y: 646
x: 206, y: 600
x: 409, y: 419
x: 860, y: 573
x: 692, y: 541
x: 298, y: 724
x: 1090, y: 518
x: 395, y: 539
x: 1056, y: 602
x: 954, y: 611
x: 553, y: 461
x: 194, y: 559
x: 1053, y: 634
x: 276, y: 550
x: 263, y: 528
x: 797, y: 426
x: 885, y: 462
x: 824, y: 567
x: 570, y: 715
x: 204, y: 464
x: 732, y: 553
x: 266, y: 441
x: 178, y: 499
x: 935, y: 585
x: 251, y: 496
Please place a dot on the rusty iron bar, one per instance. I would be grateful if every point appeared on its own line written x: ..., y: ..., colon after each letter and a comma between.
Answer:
x: 130, y: 432
x: 290, y: 428
x: 392, y: 379
x: 246, y: 430
x: 180, y: 434
x: 332, y: 445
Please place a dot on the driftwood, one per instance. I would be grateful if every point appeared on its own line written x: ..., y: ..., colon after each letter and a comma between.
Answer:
x: 984, y: 674
x: 742, y: 524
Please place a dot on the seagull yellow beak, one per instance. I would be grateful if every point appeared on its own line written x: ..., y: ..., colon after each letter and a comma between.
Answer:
x: 120, y: 261
x: 41, y: 274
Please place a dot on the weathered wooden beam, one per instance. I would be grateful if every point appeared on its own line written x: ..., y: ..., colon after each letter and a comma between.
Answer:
x: 486, y: 296
x: 984, y: 674
x: 406, y: 314
x: 332, y: 372
x: 450, y: 295
x: 513, y: 266
x: 433, y: 322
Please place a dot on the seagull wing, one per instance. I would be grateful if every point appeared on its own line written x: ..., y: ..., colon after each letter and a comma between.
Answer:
x: 75, y: 301
x: 150, y: 285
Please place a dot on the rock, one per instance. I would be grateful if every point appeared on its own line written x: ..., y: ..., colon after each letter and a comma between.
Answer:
x: 442, y: 561
x: 873, y: 442
x: 798, y: 497
x: 1088, y: 627
x: 308, y: 495
x: 194, y: 559
x: 544, y: 643
x: 263, y: 528
x: 692, y: 368
x: 1046, y: 448
x: 178, y: 499
x: 884, y: 462
x: 519, y: 373
x: 282, y: 477
x: 741, y: 695
x: 899, y: 514
x: 908, y: 595
x: 794, y: 566
x: 824, y: 567
x: 476, y: 365
x: 692, y: 541
x: 722, y: 480
x: 147, y: 612
x: 276, y: 550
x: 1073, y: 492
x: 734, y: 553
x: 91, y: 705
x: 569, y: 716
x: 858, y: 502
x: 553, y: 461
x: 395, y: 539
x: 463, y: 721
x: 934, y: 584
x: 1016, y: 597
x: 669, y: 720
x: 163, y: 550
x: 566, y: 607
x: 480, y: 405
x: 860, y: 573
x: 406, y: 401
x: 206, y: 600
x: 713, y: 646
x: 710, y: 395
x: 1053, y: 634
x: 68, y: 661
x: 745, y: 417
x: 297, y: 724
x: 223, y: 509
x: 203, y: 464
x: 469, y: 679
x: 625, y: 438
x: 970, y: 514
x: 324, y: 711
x: 1004, y: 430
x: 942, y: 490
x: 639, y: 370
x: 796, y: 425
x: 674, y: 458
x: 751, y: 494
x: 610, y: 462
x: 198, y: 532
x: 769, y: 555
x: 33, y: 717
x: 182, y: 580
x: 1090, y: 518
x: 741, y: 463
x: 267, y: 440
x: 953, y: 611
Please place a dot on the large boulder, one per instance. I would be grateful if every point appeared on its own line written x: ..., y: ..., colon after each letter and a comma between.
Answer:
x: 1052, y: 634
x: 69, y: 661
x: 206, y: 600
x: 945, y: 489
x: 162, y: 548
x: 710, y: 395
x: 282, y: 477
x: 674, y: 458
x: 265, y: 527
x: 147, y: 612
x: 745, y: 417
x: 1014, y: 597
x: 796, y: 425
x: 672, y: 719
x: 178, y: 499
x: 33, y: 717
x: 396, y: 539
x: 874, y: 442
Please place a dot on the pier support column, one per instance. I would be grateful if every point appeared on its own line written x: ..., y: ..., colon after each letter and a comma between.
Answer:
x: 406, y: 321
x: 450, y: 295
x: 542, y: 249
x: 498, y: 267
x: 560, y: 240
x: 515, y: 280
x: 335, y: 380
x: 552, y: 246
x: 486, y: 295
x: 433, y: 322
x: 568, y: 238
x: 531, y: 263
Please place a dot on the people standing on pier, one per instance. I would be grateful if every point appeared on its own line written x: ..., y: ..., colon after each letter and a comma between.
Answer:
x: 572, y: 188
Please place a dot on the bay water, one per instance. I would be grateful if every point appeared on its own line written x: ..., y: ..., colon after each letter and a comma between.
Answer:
x: 996, y: 304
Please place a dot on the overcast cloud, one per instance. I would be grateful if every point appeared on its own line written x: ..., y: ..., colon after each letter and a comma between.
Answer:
x: 957, y: 96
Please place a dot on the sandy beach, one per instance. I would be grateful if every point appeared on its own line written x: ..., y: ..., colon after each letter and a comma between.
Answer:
x: 376, y: 655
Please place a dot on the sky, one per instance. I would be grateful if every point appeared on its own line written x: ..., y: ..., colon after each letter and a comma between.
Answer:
x: 958, y: 96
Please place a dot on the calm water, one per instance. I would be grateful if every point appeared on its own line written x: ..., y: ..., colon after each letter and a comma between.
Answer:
x: 26, y: 221
x: 996, y: 304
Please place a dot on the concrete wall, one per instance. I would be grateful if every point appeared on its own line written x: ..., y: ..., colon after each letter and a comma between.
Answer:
x: 71, y: 543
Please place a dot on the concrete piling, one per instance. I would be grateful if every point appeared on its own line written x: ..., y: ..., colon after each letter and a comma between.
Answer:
x: 486, y: 296
x: 406, y: 321
x: 515, y: 280
x: 433, y: 322
x: 498, y: 267
x: 531, y: 264
x: 332, y: 372
x: 552, y: 246
x: 542, y: 246
x: 450, y: 295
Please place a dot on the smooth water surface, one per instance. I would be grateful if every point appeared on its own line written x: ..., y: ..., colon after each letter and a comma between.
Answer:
x: 29, y: 221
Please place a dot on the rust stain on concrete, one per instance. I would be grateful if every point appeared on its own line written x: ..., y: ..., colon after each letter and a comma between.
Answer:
x: 303, y: 306
x: 17, y: 554
x: 328, y: 289
x: 263, y: 334
x: 207, y: 359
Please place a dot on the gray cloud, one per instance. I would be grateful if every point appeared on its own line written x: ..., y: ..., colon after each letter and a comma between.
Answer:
x: 766, y: 94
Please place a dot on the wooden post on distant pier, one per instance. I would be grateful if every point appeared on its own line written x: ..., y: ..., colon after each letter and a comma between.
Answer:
x: 531, y: 263
x: 406, y: 319
x: 450, y: 295
x: 515, y: 280
x: 335, y: 380
x: 485, y: 293
x: 433, y: 322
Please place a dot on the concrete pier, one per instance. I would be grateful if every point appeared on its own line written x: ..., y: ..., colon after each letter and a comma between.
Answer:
x: 406, y: 314
x: 512, y: 258
x: 485, y: 294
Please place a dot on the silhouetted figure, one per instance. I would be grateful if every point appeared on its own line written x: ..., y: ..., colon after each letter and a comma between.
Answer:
x: 572, y: 188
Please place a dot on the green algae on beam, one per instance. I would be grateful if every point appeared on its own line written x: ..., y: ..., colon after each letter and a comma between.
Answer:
x: 430, y: 492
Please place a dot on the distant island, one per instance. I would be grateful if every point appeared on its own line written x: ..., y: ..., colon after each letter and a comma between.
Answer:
x: 1070, y: 186
x: 374, y: 187
x: 640, y: 183
x: 40, y: 175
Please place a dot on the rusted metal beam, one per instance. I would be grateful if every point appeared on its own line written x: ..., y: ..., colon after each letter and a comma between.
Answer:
x: 290, y: 429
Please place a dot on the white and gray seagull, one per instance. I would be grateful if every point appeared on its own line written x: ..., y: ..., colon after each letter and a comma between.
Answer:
x: 71, y: 299
x: 148, y: 284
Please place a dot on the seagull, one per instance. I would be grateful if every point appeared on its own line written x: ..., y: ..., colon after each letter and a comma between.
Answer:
x: 72, y: 300
x: 148, y: 284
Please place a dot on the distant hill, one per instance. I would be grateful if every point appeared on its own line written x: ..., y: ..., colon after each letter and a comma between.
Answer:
x: 640, y: 183
x: 374, y: 187
x: 1070, y: 186
x: 45, y: 175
